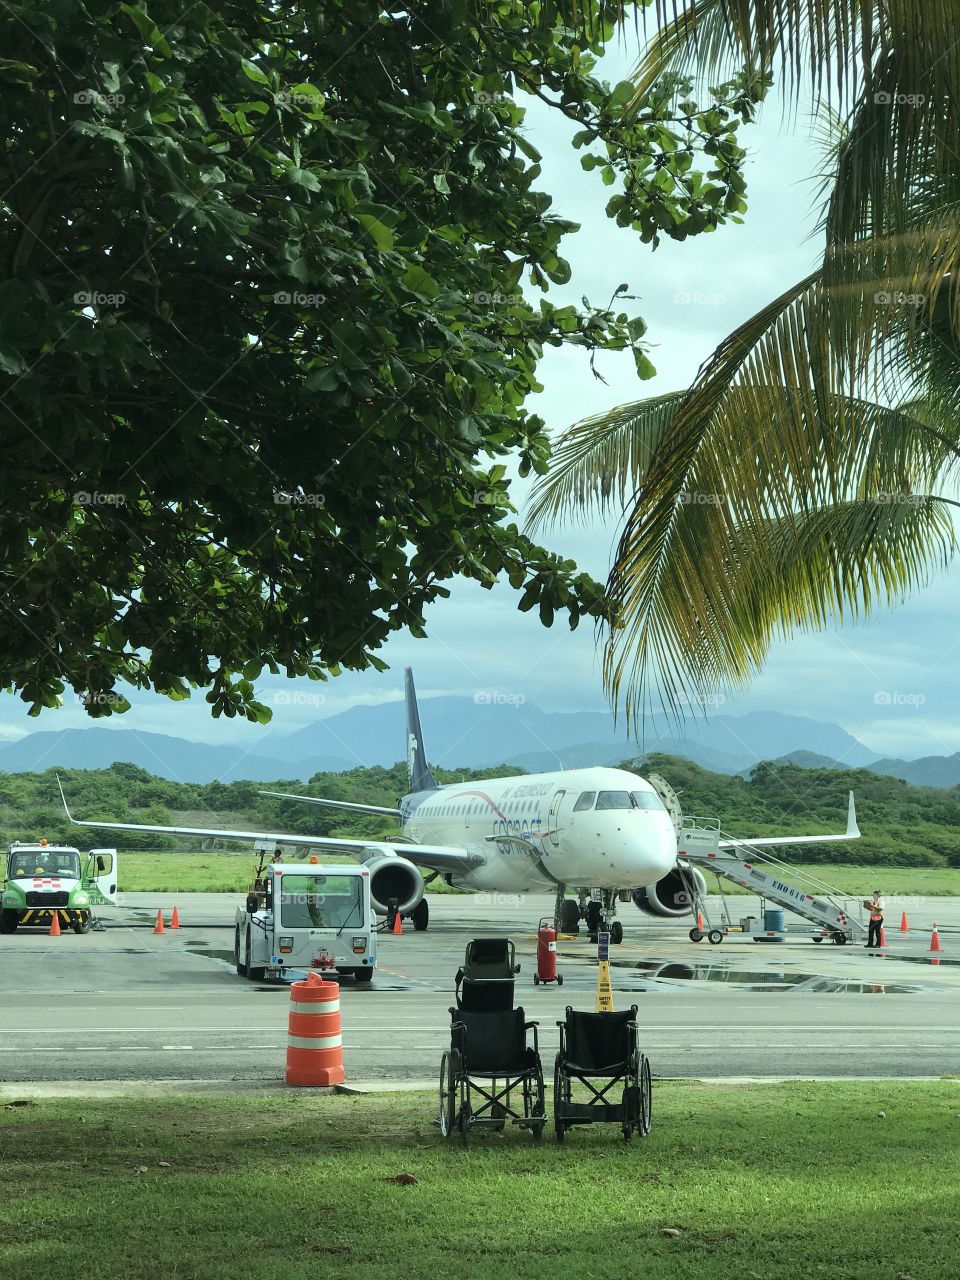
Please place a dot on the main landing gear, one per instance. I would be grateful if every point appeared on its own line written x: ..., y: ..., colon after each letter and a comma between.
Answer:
x: 598, y: 914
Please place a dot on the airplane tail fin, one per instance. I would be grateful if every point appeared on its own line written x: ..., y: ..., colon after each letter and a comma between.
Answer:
x: 418, y: 771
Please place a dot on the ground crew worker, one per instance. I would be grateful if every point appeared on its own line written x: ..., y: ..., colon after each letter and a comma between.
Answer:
x: 875, y: 906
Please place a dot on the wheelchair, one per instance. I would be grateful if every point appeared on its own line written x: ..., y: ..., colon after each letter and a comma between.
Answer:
x: 602, y: 1047
x: 485, y: 982
x: 489, y: 1061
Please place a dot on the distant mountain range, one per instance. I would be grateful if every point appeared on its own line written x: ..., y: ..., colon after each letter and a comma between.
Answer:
x: 474, y: 735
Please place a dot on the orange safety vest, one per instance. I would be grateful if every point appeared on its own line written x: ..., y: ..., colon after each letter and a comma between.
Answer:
x: 876, y: 912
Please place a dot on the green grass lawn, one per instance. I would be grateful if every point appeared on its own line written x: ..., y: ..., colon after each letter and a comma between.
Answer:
x: 860, y: 881
x: 772, y: 1182
x: 232, y: 873
x: 199, y: 873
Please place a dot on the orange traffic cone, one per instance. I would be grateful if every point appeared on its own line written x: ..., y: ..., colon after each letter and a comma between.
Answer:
x: 904, y: 927
x: 398, y: 923
x: 158, y: 927
x: 935, y: 940
x: 700, y: 924
x: 175, y: 919
x: 883, y: 937
x: 55, y: 925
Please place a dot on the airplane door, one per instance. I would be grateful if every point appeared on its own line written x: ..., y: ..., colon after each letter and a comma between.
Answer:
x: 102, y: 879
x: 552, y: 818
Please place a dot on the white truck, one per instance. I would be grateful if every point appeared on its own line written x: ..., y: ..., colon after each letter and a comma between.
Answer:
x: 307, y: 915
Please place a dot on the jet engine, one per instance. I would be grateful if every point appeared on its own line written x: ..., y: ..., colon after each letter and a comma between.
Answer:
x: 669, y: 896
x: 394, y: 877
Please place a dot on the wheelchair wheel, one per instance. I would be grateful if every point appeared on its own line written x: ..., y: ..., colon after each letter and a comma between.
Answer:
x: 561, y: 1094
x: 464, y: 1118
x: 448, y: 1092
x: 536, y: 1106
x: 646, y: 1097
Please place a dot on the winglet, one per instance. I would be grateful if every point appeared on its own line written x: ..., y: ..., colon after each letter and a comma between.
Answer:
x: 852, y: 829
x: 70, y: 817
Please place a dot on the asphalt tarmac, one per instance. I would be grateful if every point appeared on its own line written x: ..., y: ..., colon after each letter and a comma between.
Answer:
x: 123, y: 1004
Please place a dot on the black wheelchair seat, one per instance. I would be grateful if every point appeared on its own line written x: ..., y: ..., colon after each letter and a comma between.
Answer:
x: 599, y: 1044
x: 491, y: 1073
x: 601, y: 1047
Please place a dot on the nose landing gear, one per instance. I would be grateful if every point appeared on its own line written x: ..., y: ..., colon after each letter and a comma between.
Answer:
x: 597, y: 913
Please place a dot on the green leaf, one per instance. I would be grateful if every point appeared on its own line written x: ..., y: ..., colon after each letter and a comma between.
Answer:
x: 381, y: 235
x: 418, y: 281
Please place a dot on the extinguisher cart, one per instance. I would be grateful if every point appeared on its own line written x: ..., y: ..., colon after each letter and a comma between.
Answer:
x: 547, y: 953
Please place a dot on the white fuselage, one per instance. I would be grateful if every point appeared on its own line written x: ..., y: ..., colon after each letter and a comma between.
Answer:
x: 554, y: 841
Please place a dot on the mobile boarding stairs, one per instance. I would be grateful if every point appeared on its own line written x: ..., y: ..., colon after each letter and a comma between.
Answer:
x: 790, y: 888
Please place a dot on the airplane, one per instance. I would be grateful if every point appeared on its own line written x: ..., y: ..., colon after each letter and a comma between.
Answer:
x: 604, y: 832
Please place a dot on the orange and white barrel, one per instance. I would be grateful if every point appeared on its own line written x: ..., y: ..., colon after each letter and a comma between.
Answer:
x: 314, y: 1037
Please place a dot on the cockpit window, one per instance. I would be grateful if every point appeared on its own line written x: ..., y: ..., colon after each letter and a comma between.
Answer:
x: 585, y: 801
x: 614, y: 800
x: 628, y: 800
x: 646, y: 800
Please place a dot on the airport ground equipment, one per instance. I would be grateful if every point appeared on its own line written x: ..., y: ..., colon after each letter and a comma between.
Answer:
x: 600, y: 1052
x: 44, y: 880
x: 703, y: 845
x: 491, y: 1073
x: 308, y: 916
x: 547, y: 954
x: 485, y: 982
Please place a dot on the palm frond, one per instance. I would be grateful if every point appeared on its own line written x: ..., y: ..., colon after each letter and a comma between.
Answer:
x: 599, y: 463
x: 726, y: 591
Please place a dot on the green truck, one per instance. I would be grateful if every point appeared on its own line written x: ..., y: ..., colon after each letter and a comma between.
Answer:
x: 43, y: 879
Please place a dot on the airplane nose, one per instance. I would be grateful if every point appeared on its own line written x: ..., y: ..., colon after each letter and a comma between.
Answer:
x: 654, y: 857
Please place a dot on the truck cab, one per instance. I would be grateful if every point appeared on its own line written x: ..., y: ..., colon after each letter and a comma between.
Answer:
x: 44, y: 879
x: 304, y: 916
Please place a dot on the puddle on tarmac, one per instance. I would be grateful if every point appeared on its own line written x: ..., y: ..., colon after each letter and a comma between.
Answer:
x: 763, y: 980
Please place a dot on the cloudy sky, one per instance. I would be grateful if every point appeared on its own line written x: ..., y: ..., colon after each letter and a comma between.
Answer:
x: 890, y: 682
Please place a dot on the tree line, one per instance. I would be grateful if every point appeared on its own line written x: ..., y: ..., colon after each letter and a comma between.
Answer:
x: 902, y: 825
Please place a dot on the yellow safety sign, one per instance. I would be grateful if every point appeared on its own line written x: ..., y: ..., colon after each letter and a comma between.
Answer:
x: 604, y: 990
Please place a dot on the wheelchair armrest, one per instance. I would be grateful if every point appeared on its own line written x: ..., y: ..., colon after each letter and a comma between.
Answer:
x: 532, y: 1026
x: 457, y: 1030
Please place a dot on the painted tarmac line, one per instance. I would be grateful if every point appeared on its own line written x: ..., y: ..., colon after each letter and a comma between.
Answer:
x: 668, y: 1047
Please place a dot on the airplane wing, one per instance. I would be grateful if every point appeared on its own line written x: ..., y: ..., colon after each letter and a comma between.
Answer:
x: 852, y: 833
x: 335, y: 804
x: 435, y: 857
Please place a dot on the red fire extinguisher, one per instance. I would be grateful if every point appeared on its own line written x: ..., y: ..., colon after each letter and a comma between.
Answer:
x: 547, y: 954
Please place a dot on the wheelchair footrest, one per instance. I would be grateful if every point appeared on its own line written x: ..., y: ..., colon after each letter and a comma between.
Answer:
x: 587, y: 1112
